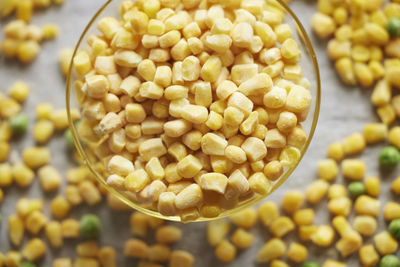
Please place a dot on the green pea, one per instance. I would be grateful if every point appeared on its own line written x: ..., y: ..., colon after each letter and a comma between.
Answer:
x: 27, y: 264
x: 389, y: 261
x: 389, y: 157
x: 311, y: 264
x: 393, y: 27
x: 69, y: 140
x: 19, y: 123
x: 356, y: 189
x: 90, y: 226
x: 394, y: 228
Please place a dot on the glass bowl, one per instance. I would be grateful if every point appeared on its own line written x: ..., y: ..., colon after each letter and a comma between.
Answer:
x: 310, y: 69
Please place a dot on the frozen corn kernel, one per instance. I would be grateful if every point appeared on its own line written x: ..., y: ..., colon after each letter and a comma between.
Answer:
x: 340, y: 206
x: 242, y: 239
x: 225, y: 251
x: 353, y: 144
x: 281, y: 226
x: 259, y: 183
x: 324, y: 236
x: 180, y: 258
x: 43, y: 131
x: 216, y: 231
x: 34, y: 249
x: 35, y: 157
x: 22, y: 175
x: 35, y: 221
x: 292, y: 201
x: 323, y: 25
x: 365, y: 225
x: 19, y: 91
x: 394, y: 135
x: 304, y: 216
x: 372, y: 186
x: 135, y: 248
x: 273, y: 249
x: 27, y: 51
x: 50, y: 31
x: 353, y: 169
x: 50, y: 178
x: 366, y: 205
x: 327, y: 169
x: 246, y: 218
x: 268, y: 212
x: 16, y: 229
x: 385, y: 244
x: 297, y: 252
x: 391, y: 211
x: 316, y: 191
x: 368, y: 255
x: 53, y: 232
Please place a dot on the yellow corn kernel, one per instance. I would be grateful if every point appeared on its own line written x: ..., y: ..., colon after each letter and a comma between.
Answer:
x: 211, y: 69
x: 64, y: 59
x: 43, y: 131
x: 268, y: 212
x: 385, y: 244
x: 341, y: 225
x: 249, y: 125
x: 180, y: 258
x: 16, y: 229
x: 344, y: 66
x: 70, y: 228
x: 368, y: 255
x: 349, y: 244
x: 322, y: 25
x: 216, y: 231
x: 353, y: 144
x: 59, y: 207
x: 4, y: 150
x: 203, y: 92
x: 377, y: 69
x: 366, y: 205
x: 242, y: 239
x: 292, y: 201
x: 53, y: 232
x: 168, y: 234
x: 372, y: 186
x: 35, y: 221
x: 324, y: 236
x: 27, y: 51
x: 246, y: 218
x: 34, y: 250
x: 278, y: 263
x: 303, y: 217
x: 89, y: 193
x: 396, y: 186
x: 50, y: 178
x: 340, y: 206
x: 5, y: 131
x: 7, y: 7
x: 273, y: 249
x: 19, y: 91
x: 363, y: 74
x: 44, y: 111
x: 87, y: 249
x: 259, y: 184
x: 377, y: 34
x: 353, y: 169
x: 107, y: 257
x: 219, y: 43
x: 225, y: 251
x: 50, y: 31
x: 327, y: 169
x: 365, y: 225
x: 387, y: 114
x: 62, y: 262
x: 316, y: 191
x: 35, y: 157
x: 297, y: 252
x: 391, y: 211
x: 306, y: 232
x: 281, y: 226
x: 13, y: 258
x: 60, y: 118
x: 375, y: 132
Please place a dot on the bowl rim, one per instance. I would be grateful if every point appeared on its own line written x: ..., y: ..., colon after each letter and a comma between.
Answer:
x: 251, y: 201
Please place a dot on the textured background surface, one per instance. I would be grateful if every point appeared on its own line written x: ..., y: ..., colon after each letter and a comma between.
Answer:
x: 344, y: 110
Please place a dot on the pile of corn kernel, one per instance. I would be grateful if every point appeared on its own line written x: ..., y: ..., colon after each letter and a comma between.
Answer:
x: 365, y: 47
x: 185, y: 99
x: 22, y: 40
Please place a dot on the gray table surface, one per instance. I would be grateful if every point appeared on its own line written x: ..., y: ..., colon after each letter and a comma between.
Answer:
x: 344, y: 111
